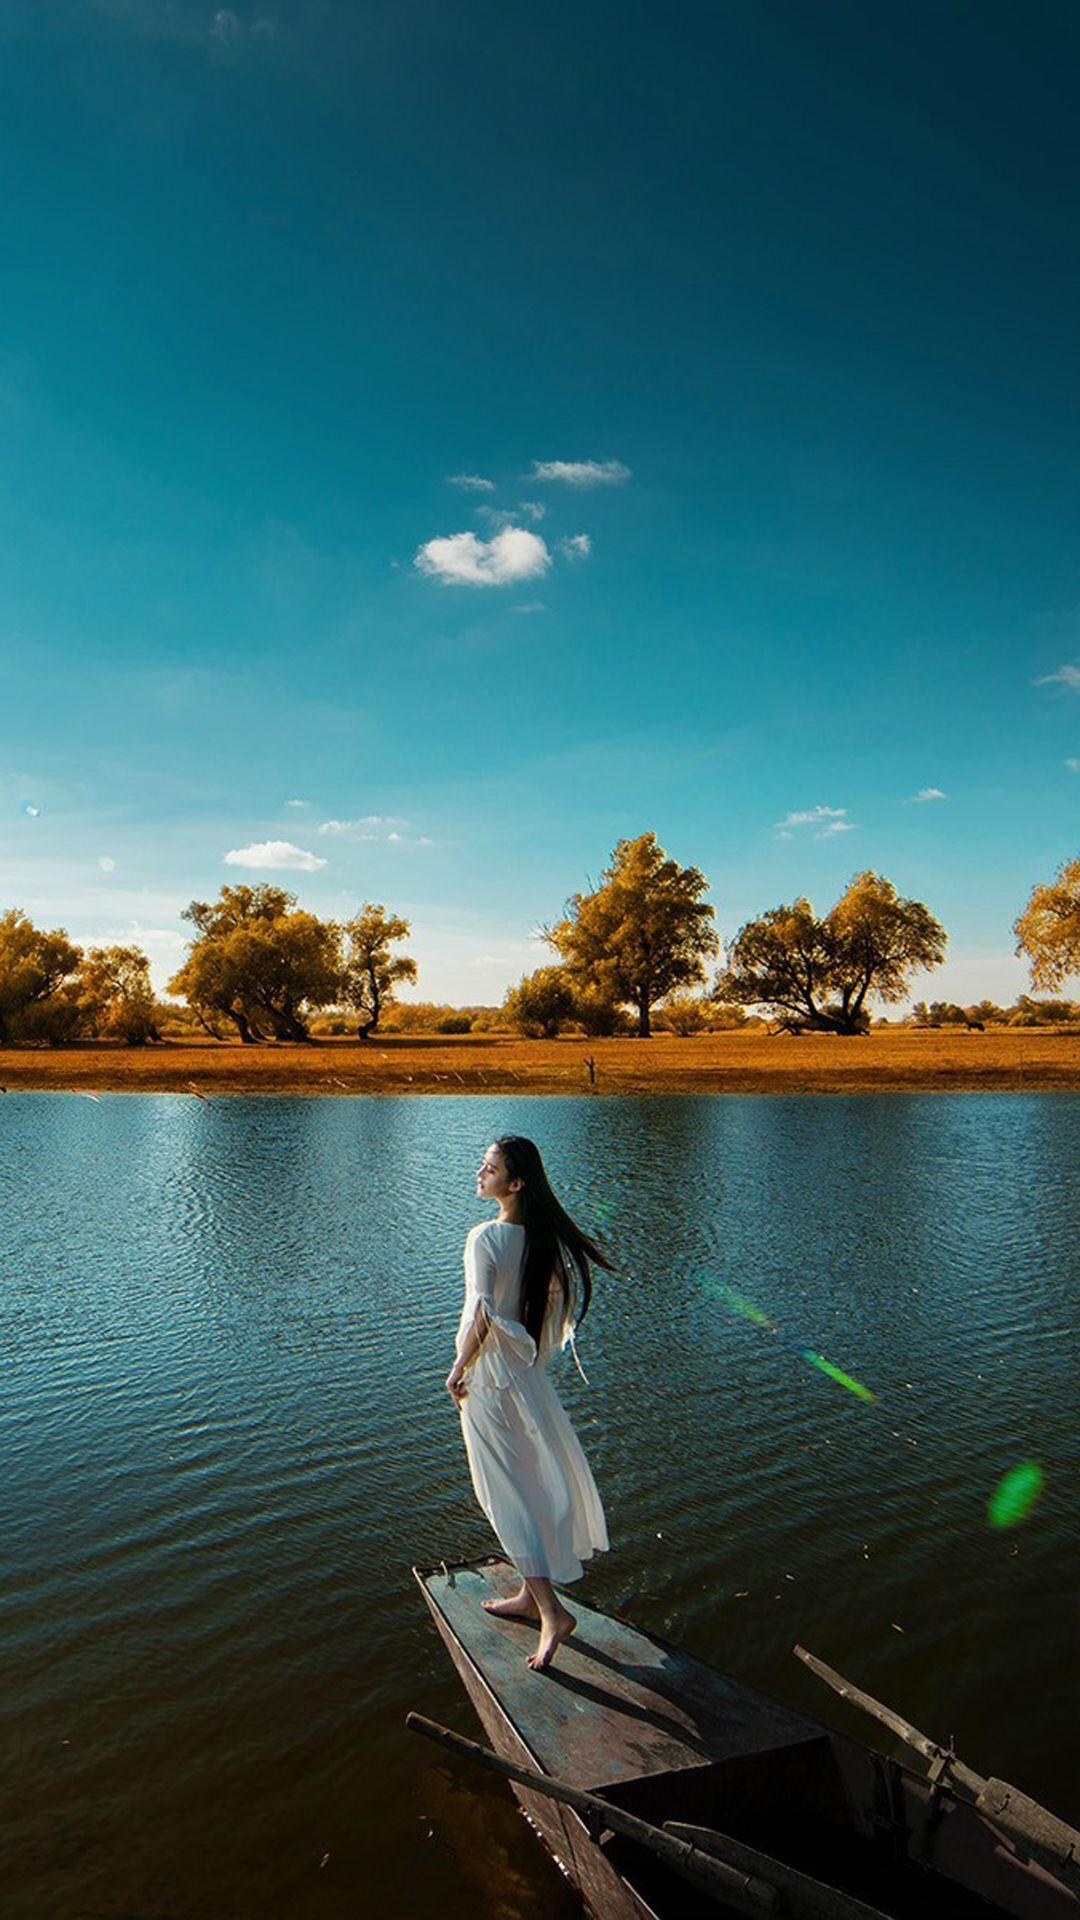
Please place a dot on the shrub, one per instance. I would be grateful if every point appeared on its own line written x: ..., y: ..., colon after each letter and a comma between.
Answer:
x: 541, y: 1003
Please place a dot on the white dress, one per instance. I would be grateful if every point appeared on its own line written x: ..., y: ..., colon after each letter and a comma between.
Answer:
x: 528, y: 1469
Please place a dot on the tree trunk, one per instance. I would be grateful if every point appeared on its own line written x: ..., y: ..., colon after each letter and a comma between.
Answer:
x: 644, y: 1031
x: 295, y: 1026
x: 240, y: 1021
x: 368, y: 1025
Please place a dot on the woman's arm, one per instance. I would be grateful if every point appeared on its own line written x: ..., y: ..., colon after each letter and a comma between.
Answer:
x: 474, y: 1340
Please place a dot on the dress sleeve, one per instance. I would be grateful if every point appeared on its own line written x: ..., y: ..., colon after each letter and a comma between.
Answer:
x: 507, y: 1349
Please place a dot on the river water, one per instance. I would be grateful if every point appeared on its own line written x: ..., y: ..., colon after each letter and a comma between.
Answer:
x: 224, y: 1331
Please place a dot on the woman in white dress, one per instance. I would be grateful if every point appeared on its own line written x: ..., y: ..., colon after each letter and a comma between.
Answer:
x: 526, y: 1282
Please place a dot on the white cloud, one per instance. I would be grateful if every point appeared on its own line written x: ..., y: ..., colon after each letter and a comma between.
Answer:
x: 274, y: 853
x: 830, y: 822
x: 530, y: 606
x: 383, y: 828
x: 298, y: 803
x: 928, y: 793
x: 1066, y: 676
x: 582, y: 473
x: 499, y: 517
x: 812, y: 816
x: 225, y: 27
x: 1073, y: 765
x: 470, y: 482
x: 463, y: 560
x: 366, y: 826
x: 576, y: 546
x: 106, y: 863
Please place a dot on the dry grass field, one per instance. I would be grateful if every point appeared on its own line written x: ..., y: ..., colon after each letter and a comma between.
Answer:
x: 898, y: 1060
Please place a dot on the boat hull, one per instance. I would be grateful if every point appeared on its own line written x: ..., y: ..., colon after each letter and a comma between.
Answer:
x: 564, y: 1833
x: 652, y: 1731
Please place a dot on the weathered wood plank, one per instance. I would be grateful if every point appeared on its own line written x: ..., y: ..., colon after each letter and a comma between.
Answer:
x: 618, y: 1704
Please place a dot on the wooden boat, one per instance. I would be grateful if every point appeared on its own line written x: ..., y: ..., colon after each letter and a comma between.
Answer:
x: 665, y: 1789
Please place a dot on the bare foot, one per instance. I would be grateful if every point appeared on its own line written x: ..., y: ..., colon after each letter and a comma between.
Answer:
x: 552, y: 1634
x: 517, y: 1607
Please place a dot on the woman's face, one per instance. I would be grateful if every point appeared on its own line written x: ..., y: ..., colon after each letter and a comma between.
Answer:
x: 492, y: 1180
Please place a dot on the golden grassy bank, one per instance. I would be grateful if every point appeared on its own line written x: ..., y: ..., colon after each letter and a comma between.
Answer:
x: 897, y: 1060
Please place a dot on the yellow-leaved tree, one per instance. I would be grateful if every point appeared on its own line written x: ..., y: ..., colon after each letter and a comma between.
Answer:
x: 819, y: 974
x: 1048, y: 930
x: 643, y: 932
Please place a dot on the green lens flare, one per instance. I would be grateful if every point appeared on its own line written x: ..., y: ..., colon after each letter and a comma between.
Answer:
x: 1015, y: 1494
x: 739, y: 1303
x: 747, y: 1309
x: 834, y: 1373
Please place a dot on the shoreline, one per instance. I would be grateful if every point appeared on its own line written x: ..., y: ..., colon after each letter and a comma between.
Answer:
x: 893, y: 1060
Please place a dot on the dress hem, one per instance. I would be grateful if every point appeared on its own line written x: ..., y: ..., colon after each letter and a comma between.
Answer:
x: 556, y: 1579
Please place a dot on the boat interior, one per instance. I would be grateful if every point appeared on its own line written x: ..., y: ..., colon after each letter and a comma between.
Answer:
x: 851, y: 1819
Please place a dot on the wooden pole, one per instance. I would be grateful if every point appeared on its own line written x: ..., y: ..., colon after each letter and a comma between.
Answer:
x: 1055, y: 1843
x: 729, y: 1871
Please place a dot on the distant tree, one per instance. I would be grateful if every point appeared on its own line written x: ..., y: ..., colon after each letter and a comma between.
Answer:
x: 729, y: 1018
x: 684, y: 1014
x: 818, y: 974
x: 485, y: 1019
x: 988, y: 1012
x: 541, y: 1003
x: 597, y: 1014
x: 371, y: 973
x: 34, y: 968
x: 258, y: 962
x: 1042, y: 1013
x: 1048, y: 930
x: 643, y: 932
x: 116, y: 997
x: 945, y: 1013
x: 429, y: 1016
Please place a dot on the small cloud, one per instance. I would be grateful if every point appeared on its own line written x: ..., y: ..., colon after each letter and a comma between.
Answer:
x: 812, y: 816
x: 582, y: 473
x: 367, y: 827
x: 470, y: 482
x: 834, y: 827
x: 31, y: 811
x: 530, y: 606
x: 927, y: 793
x: 1073, y: 765
x: 1066, y: 676
x: 226, y: 28
x: 463, y: 560
x: 499, y: 517
x: 274, y: 853
x: 576, y: 546
x: 298, y: 803
x: 106, y: 863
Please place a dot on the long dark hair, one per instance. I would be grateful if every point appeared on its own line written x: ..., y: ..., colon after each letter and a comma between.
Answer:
x: 551, y: 1238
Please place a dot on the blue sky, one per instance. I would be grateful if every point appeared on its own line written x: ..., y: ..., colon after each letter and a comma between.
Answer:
x: 760, y: 323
